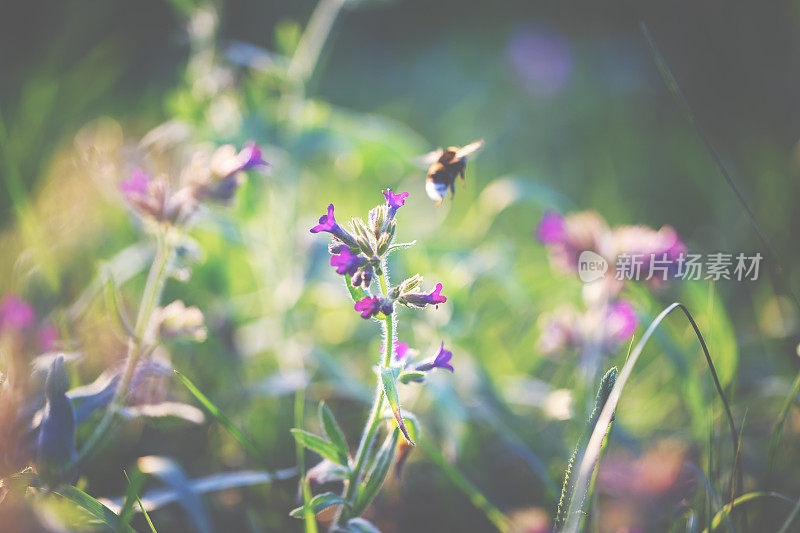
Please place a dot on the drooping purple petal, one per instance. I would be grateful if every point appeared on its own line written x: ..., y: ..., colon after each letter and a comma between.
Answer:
x: 440, y: 360
x: 346, y: 262
x: 368, y: 306
x: 326, y: 222
x: 251, y: 157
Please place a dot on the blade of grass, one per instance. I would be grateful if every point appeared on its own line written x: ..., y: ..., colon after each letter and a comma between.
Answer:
x: 223, y: 419
x: 476, y: 497
x: 135, y: 495
x: 677, y: 94
x: 741, y: 500
x: 309, y: 519
x: 95, y: 508
x: 592, y: 452
x: 785, y: 528
x: 777, y: 432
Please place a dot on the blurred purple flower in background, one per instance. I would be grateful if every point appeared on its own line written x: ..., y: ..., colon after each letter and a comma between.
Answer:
x: 137, y: 184
x: 622, y: 321
x: 15, y: 313
x: 56, y: 441
x: 541, y: 58
x: 551, y: 229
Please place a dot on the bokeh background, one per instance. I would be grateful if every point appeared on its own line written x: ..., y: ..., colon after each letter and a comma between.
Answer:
x: 575, y: 116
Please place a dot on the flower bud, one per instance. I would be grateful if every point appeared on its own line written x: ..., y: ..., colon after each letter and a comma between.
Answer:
x: 378, y: 217
x: 409, y: 285
x: 177, y: 320
x: 383, y: 243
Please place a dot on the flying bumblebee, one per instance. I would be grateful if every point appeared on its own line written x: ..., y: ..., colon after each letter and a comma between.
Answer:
x: 443, y: 168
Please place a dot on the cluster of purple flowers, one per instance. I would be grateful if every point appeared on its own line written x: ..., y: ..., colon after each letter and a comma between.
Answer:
x: 213, y: 179
x: 357, y: 254
x: 608, y: 319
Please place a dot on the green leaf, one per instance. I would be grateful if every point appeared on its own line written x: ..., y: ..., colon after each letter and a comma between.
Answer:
x: 411, y: 376
x: 356, y: 293
x: 135, y: 484
x: 319, y: 503
x: 374, y: 479
x: 95, y: 508
x: 334, y: 432
x: 217, y: 413
x: 318, y: 445
x: 389, y: 380
x: 134, y: 491
x: 360, y: 525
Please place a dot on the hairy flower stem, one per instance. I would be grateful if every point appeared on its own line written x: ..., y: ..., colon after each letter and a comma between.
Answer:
x: 368, y: 435
x: 151, y: 296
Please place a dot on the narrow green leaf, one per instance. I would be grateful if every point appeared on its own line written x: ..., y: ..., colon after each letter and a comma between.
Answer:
x: 377, y: 474
x: 136, y: 495
x: 389, y: 380
x: 319, y: 503
x: 135, y: 484
x: 334, y: 432
x: 744, y: 498
x: 95, y: 508
x: 246, y: 443
x: 411, y: 376
x: 318, y: 445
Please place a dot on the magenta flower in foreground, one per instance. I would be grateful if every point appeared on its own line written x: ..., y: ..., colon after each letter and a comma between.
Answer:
x: 15, y: 313
x: 328, y: 223
x: 394, y: 201
x: 435, y: 297
x: 368, y: 306
x: 346, y: 262
x: 137, y: 185
x: 551, y: 229
x: 440, y: 360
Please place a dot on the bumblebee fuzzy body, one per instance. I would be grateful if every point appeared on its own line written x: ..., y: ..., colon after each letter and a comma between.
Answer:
x: 447, y: 166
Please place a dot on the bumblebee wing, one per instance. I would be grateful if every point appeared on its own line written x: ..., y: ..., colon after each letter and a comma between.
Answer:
x: 469, y: 149
x: 428, y: 159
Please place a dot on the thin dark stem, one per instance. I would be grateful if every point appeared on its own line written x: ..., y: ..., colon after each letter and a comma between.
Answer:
x: 677, y: 94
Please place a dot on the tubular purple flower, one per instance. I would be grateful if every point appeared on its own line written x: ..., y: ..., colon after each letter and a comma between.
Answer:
x: 394, y: 201
x: 440, y: 360
x: 551, y: 229
x: 400, y: 351
x: 362, y: 277
x: 15, y: 313
x: 346, y: 262
x: 328, y: 223
x: 369, y: 306
x: 435, y: 297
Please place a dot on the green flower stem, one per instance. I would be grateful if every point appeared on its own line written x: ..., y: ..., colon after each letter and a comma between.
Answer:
x: 368, y: 436
x: 151, y: 296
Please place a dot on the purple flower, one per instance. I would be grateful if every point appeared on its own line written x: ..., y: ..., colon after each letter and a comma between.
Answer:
x: 621, y: 320
x: 368, y: 306
x: 56, y: 441
x: 542, y: 59
x: 434, y: 297
x: 137, y: 185
x: 362, y: 277
x: 394, y: 201
x: 328, y: 223
x: 551, y: 229
x: 440, y: 360
x: 250, y: 157
x: 345, y: 262
x: 15, y: 313
x: 400, y: 350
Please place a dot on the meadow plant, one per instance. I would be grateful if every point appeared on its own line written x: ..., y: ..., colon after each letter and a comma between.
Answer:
x: 359, y: 253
